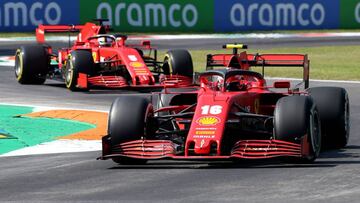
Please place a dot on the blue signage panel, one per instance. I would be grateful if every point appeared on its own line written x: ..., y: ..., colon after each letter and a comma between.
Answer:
x: 26, y: 15
x: 239, y: 15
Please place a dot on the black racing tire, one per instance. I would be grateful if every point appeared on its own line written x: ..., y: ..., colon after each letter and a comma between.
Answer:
x: 79, y: 61
x: 130, y: 118
x: 178, y: 62
x: 31, y: 64
x: 294, y: 117
x: 334, y: 109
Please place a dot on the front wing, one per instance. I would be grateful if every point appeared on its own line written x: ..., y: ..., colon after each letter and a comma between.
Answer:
x: 243, y: 149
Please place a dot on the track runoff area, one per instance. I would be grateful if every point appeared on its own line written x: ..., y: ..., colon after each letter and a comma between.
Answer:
x: 86, y: 127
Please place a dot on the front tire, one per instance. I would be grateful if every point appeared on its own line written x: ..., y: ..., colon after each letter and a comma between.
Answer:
x: 130, y: 118
x: 31, y: 64
x: 80, y: 61
x: 295, y: 117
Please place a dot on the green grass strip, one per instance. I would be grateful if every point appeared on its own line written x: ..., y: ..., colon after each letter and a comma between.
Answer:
x: 26, y: 131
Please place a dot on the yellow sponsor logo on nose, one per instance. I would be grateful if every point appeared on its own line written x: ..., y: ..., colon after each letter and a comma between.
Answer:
x: 137, y: 64
x: 208, y: 120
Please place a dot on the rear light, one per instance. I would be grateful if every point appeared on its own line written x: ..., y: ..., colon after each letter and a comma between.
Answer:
x: 282, y: 84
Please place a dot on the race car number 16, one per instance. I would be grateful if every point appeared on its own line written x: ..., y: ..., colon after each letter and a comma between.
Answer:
x: 214, y: 110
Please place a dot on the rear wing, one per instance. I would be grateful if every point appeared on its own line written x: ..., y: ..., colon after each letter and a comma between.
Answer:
x: 86, y: 31
x: 245, y: 61
x: 42, y: 29
x: 282, y: 60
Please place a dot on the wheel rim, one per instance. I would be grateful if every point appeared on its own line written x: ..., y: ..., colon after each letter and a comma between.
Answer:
x: 315, y: 133
x: 18, y: 66
x: 68, y: 74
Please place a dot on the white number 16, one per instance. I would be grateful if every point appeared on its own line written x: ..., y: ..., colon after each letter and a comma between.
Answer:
x: 216, y: 109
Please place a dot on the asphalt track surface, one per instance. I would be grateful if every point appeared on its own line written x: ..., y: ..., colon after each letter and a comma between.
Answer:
x: 77, y: 177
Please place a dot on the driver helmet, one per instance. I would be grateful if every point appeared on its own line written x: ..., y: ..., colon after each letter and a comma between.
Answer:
x: 217, y: 82
x: 105, y: 42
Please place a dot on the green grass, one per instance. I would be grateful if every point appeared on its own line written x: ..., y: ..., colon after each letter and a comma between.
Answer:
x: 330, y: 63
x: 17, y: 34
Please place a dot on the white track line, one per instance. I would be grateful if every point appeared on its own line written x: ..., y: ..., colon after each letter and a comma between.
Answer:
x: 7, y: 63
x: 58, y: 146
x: 38, y: 108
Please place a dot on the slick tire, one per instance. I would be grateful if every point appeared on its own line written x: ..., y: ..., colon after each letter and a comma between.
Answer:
x: 334, y: 110
x: 79, y: 61
x: 178, y: 62
x: 130, y: 118
x: 294, y: 117
x: 31, y: 64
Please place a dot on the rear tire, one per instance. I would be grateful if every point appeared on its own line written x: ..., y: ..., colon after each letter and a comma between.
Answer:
x: 80, y: 61
x: 130, y: 118
x: 296, y: 116
x: 178, y: 62
x: 31, y: 64
x: 334, y: 110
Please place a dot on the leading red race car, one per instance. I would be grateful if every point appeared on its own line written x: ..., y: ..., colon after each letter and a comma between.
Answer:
x: 233, y: 115
x: 100, y: 59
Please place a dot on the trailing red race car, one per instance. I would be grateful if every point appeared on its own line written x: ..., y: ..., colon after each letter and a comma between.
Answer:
x: 233, y: 114
x: 100, y: 59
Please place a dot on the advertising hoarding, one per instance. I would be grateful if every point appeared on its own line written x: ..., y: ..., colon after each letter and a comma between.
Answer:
x: 235, y: 15
x: 25, y: 15
x: 151, y: 16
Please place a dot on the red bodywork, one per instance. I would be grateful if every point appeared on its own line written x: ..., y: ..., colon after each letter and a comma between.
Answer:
x: 117, y: 64
x: 211, y: 114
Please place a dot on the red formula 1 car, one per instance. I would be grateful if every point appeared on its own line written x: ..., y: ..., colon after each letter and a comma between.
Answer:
x: 100, y: 59
x: 233, y: 114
